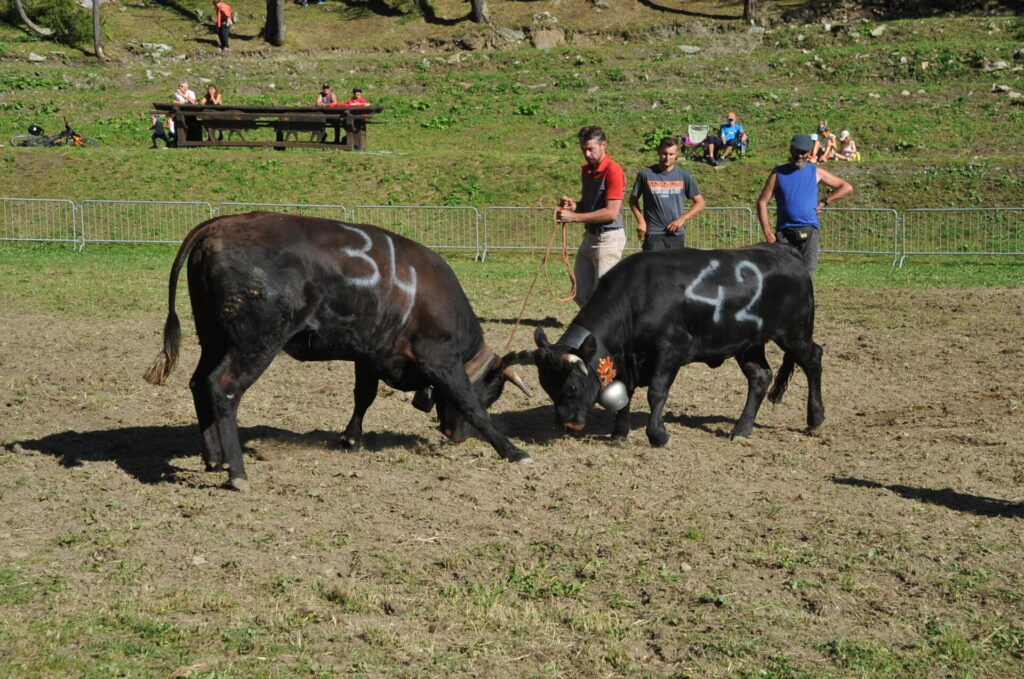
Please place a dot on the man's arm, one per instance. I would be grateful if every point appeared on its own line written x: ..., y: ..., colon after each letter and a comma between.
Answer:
x: 696, y: 206
x: 641, y: 223
x: 606, y: 214
x: 840, y: 188
x: 762, y: 207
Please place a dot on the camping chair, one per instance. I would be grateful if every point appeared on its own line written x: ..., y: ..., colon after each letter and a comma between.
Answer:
x: 695, y: 136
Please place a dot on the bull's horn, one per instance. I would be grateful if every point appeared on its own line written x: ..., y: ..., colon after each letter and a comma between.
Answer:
x: 511, y: 375
x: 524, y: 357
x: 574, y: 360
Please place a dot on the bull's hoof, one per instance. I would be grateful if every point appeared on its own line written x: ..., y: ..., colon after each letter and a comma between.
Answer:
x: 240, y: 484
x: 741, y: 433
x: 658, y: 439
x: 349, y: 443
x: 618, y: 435
x: 740, y: 440
x: 519, y: 456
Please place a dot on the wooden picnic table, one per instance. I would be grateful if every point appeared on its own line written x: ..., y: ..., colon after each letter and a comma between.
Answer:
x: 201, y: 125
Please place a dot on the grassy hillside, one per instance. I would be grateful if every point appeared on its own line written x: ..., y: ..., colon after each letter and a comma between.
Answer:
x: 495, y: 125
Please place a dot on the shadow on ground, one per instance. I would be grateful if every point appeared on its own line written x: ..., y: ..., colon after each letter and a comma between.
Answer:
x: 946, y: 497
x: 679, y: 10
x: 148, y: 453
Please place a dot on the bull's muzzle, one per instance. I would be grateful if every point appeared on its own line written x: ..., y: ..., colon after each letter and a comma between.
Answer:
x: 455, y: 436
x: 573, y: 426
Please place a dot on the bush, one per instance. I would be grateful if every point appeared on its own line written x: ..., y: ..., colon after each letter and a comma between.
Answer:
x: 70, y: 23
x: 653, y: 138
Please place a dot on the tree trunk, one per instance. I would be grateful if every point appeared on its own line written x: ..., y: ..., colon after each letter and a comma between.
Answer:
x: 750, y: 11
x: 274, y: 28
x: 24, y: 17
x: 97, y: 38
x: 482, y: 15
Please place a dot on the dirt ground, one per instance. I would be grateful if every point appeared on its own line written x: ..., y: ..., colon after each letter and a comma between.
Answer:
x: 866, y: 531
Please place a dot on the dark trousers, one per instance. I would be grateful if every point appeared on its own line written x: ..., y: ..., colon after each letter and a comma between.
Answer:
x: 664, y: 241
x: 222, y: 33
x: 805, y: 239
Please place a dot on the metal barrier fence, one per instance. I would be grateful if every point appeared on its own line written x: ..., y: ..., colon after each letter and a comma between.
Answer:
x: 516, y: 228
x: 919, y: 231
x: 38, y: 219
x: 721, y: 227
x: 326, y: 211
x: 963, y: 231
x: 530, y: 228
x: 437, y: 227
x: 134, y: 221
x: 864, y: 231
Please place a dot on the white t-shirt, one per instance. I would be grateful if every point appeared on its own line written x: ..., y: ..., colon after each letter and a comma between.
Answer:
x: 186, y: 98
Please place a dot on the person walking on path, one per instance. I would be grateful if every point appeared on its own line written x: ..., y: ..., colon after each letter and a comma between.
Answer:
x: 664, y: 188
x: 223, y: 22
x: 599, y: 210
x: 794, y: 186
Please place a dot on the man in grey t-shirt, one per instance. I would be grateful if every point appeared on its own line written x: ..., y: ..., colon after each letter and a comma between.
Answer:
x: 664, y: 188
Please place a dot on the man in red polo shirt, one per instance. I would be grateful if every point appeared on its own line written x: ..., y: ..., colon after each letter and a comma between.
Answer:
x: 599, y: 208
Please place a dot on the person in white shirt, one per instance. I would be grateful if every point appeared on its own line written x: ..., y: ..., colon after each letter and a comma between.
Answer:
x: 183, y: 95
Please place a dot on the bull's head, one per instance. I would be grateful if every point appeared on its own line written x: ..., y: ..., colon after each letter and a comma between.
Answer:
x: 565, y: 376
x: 487, y: 386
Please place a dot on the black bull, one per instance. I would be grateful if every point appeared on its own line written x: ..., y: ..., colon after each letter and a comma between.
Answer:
x: 321, y: 290
x: 655, y: 312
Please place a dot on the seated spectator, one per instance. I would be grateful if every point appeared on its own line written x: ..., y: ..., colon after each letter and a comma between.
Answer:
x: 326, y: 97
x: 815, y: 148
x: 359, y: 120
x: 730, y: 136
x: 357, y: 99
x: 827, y: 144
x: 847, y: 147
x: 183, y: 95
x: 212, y: 96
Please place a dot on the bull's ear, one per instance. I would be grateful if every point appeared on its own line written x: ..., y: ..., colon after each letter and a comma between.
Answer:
x: 540, y: 338
x: 588, y: 348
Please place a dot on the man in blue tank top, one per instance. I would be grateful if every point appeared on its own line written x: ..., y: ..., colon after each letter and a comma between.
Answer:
x: 795, y: 189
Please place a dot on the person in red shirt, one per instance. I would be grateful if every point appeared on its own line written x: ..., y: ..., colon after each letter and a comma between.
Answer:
x: 358, y: 120
x: 223, y: 22
x: 357, y: 99
x: 599, y: 210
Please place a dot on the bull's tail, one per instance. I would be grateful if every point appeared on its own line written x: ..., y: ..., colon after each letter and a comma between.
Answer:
x: 168, y: 356
x: 782, y: 379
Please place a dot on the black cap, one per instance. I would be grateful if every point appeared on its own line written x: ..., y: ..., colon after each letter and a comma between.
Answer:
x: 802, y: 143
x: 356, y: 89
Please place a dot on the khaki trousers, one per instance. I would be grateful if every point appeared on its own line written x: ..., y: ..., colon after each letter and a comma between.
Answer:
x: 598, y: 253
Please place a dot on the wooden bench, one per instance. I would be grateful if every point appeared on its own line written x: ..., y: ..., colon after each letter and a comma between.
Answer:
x: 192, y: 120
